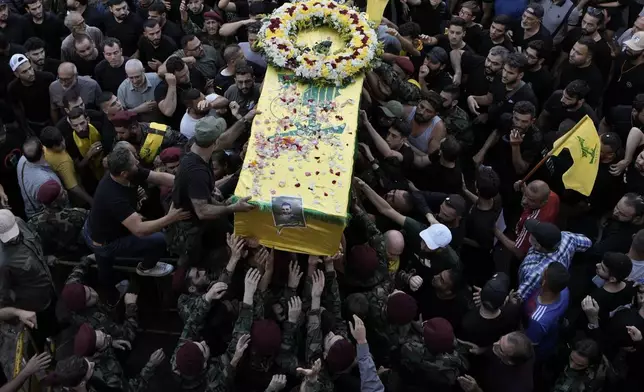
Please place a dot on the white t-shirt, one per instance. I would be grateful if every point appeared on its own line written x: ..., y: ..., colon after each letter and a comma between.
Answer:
x: 187, y: 126
x: 637, y: 273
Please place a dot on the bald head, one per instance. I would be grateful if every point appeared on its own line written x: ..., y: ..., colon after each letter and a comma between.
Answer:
x: 540, y: 189
x: 535, y: 195
x: 395, y: 242
x: 32, y: 148
x: 75, y: 22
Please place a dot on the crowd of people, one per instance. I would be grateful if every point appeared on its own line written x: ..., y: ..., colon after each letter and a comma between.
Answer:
x: 466, y: 264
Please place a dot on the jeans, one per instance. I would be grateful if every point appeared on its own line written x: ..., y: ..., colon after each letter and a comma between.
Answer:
x: 151, y: 248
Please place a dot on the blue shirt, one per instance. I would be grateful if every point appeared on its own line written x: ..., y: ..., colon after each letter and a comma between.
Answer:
x: 543, y: 322
x: 535, y: 262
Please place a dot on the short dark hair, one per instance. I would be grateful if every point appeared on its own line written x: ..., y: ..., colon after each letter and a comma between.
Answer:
x: 596, y: 13
x: 231, y: 51
x: 243, y: 70
x: 402, y: 127
x: 525, y: 107
x: 105, y: 96
x: 174, y: 64
x: 187, y: 38
x: 110, y: 42
x: 29, y: 2
x: 409, y: 29
x: 190, y: 95
x: 119, y: 160
x: 457, y: 21
x: 635, y: 201
x: 33, y: 43
x: 472, y: 5
x: 457, y: 278
x: 32, y: 149
x: 557, y: 277
x: 523, y: 350
x: 453, y: 90
x: 638, y: 242
x: 540, y: 47
x: 433, y: 98
x: 504, y: 20
x: 51, y: 137
x: 70, y: 95
x: 81, y: 37
x: 487, y: 182
x: 588, y: 349
x: 638, y: 102
x: 76, y: 113
x: 150, y: 24
x: 618, y: 264
x: 589, y: 42
x: 577, y: 89
x: 450, y: 148
x: 517, y: 60
x: 157, y: 6
x: 254, y: 27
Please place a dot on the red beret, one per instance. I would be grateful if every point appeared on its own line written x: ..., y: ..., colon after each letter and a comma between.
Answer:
x: 124, y: 118
x: 362, y: 261
x: 266, y: 337
x: 170, y: 155
x: 341, y: 356
x: 438, y: 335
x: 213, y: 15
x: 48, y: 192
x: 73, y: 296
x: 406, y: 64
x: 401, y: 308
x: 190, y: 359
x: 85, y: 341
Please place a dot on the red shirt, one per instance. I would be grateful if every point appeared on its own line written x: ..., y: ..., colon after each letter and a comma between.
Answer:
x: 547, y: 213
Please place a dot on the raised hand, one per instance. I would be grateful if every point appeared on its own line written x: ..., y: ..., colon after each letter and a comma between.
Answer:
x: 37, y: 363
x: 294, y: 275
x: 121, y: 344
x: 294, y: 309
x: 358, y: 330
x: 217, y: 291
x: 318, y: 284
x: 157, y: 357
x: 278, y: 382
x: 251, y: 281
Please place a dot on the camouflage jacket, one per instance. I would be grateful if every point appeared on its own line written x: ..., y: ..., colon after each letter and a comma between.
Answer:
x: 60, y: 230
x: 377, y: 242
x: 428, y: 368
x: 571, y: 380
x: 97, y: 316
x: 401, y: 90
x: 110, y: 373
x: 315, y: 349
x: 457, y: 123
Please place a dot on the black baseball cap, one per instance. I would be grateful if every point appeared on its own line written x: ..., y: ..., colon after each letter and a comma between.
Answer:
x: 495, y: 291
x: 546, y: 234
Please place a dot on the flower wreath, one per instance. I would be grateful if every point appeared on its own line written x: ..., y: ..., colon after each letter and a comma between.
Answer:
x: 277, y: 40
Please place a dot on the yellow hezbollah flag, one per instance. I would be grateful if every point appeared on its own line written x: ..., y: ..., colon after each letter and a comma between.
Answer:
x: 583, y: 143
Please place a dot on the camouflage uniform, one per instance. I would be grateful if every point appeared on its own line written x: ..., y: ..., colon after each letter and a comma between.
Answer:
x: 314, y: 336
x: 401, y: 90
x: 377, y: 242
x: 571, y: 380
x: 457, y: 123
x: 425, y: 368
x: 109, y: 371
x: 60, y: 230
x: 97, y: 316
x: 219, y: 372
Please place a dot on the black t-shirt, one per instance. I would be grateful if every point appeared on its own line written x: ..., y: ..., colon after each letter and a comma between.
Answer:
x: 17, y: 30
x: 128, y: 31
x: 34, y: 98
x: 10, y: 153
x: 87, y: 67
x: 609, y: 302
x: 197, y: 80
x: 99, y: 121
x: 627, y: 82
x: 607, y: 191
x: 6, y: 75
x: 603, y: 56
x: 173, y: 31
x: 113, y: 203
x: 438, y: 81
x: 501, y: 154
x: 484, y: 332
x: 429, y: 18
x: 541, y: 82
x: 473, y: 35
x: 198, y: 18
x: 443, y: 42
x: 438, y: 178
x: 223, y: 82
x: 51, y: 65
x: 521, y: 43
x: 52, y: 31
x: 108, y: 77
x: 480, y: 224
x: 590, y: 75
x: 485, y: 44
x: 558, y: 113
x: 503, y: 100
x: 478, y: 82
x: 194, y: 180
x: 93, y: 17
x: 620, y: 118
x: 147, y: 52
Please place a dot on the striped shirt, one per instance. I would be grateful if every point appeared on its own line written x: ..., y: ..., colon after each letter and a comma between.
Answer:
x: 535, y: 262
x: 543, y: 322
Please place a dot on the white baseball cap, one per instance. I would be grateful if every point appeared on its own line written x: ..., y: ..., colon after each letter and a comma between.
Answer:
x: 436, y: 236
x: 17, y: 60
x: 8, y: 226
